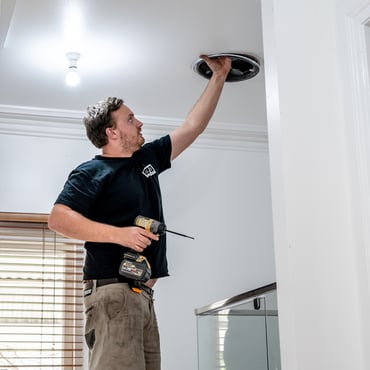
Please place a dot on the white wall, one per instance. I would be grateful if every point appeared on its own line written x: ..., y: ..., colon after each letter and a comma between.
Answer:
x: 322, y: 265
x: 367, y: 31
x: 221, y: 197
x: 34, y: 170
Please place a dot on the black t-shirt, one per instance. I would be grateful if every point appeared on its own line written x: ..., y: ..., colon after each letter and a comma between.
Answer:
x: 114, y: 191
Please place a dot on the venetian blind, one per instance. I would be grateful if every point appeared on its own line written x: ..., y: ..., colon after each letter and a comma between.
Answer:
x: 41, y: 307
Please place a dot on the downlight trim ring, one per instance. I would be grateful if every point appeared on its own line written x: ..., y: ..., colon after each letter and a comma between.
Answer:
x: 243, y: 66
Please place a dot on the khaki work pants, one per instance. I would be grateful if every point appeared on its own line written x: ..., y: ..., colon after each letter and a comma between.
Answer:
x: 121, y: 329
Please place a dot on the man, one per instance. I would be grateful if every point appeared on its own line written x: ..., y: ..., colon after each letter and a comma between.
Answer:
x: 99, y: 204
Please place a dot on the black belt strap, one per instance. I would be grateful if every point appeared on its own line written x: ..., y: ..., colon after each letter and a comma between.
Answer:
x: 102, y: 282
x: 132, y: 283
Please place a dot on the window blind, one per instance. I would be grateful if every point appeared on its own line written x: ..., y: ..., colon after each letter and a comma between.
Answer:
x: 41, y: 305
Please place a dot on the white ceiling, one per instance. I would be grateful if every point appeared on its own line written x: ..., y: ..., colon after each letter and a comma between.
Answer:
x: 139, y: 50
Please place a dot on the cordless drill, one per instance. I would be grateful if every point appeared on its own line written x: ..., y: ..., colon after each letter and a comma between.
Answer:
x: 135, y: 266
x: 155, y: 226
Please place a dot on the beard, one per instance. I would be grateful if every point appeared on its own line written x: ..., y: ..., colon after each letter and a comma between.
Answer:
x: 132, y: 143
x: 141, y: 140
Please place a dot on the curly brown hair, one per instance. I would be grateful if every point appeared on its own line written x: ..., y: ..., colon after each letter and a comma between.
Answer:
x: 99, y: 118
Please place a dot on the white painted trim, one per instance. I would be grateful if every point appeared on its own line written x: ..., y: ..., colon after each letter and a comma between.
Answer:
x: 65, y: 124
x: 358, y: 126
x: 359, y: 154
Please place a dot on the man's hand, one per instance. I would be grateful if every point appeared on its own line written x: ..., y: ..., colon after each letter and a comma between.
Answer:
x: 72, y: 224
x: 136, y: 238
x: 219, y: 66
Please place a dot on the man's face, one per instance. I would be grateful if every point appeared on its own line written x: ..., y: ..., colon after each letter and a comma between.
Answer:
x: 127, y: 129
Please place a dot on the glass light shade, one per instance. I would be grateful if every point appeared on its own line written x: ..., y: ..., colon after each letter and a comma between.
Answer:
x: 72, y: 78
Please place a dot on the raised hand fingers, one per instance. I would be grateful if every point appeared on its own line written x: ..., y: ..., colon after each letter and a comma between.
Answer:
x: 218, y: 65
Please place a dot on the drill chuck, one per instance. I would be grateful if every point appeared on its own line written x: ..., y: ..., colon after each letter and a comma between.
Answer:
x: 155, y: 226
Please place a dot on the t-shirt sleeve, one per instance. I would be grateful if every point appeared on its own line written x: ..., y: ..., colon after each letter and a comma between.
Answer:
x: 162, y: 148
x: 79, y: 191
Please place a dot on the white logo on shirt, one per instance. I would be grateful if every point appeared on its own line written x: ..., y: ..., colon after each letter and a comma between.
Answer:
x: 148, y: 171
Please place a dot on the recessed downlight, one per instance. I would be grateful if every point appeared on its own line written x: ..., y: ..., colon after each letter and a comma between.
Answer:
x: 243, y: 66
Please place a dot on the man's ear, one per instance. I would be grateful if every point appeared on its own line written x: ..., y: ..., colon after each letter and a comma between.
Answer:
x: 110, y: 132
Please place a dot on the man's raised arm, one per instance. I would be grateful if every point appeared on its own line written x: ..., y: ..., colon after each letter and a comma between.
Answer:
x: 198, y: 118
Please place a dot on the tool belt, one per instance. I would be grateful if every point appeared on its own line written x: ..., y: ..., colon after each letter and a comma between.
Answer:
x: 135, y: 286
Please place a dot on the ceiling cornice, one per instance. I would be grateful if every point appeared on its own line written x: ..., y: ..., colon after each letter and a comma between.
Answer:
x: 66, y: 124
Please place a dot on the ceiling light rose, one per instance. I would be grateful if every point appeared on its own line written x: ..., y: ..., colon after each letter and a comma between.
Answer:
x: 72, y: 78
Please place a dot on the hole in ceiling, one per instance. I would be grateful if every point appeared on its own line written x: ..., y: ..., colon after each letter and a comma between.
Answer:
x: 243, y: 66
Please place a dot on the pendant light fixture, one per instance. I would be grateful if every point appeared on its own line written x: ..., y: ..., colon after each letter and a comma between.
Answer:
x: 72, y: 77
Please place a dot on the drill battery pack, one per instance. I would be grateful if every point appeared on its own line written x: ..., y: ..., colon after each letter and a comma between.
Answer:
x: 135, y: 266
